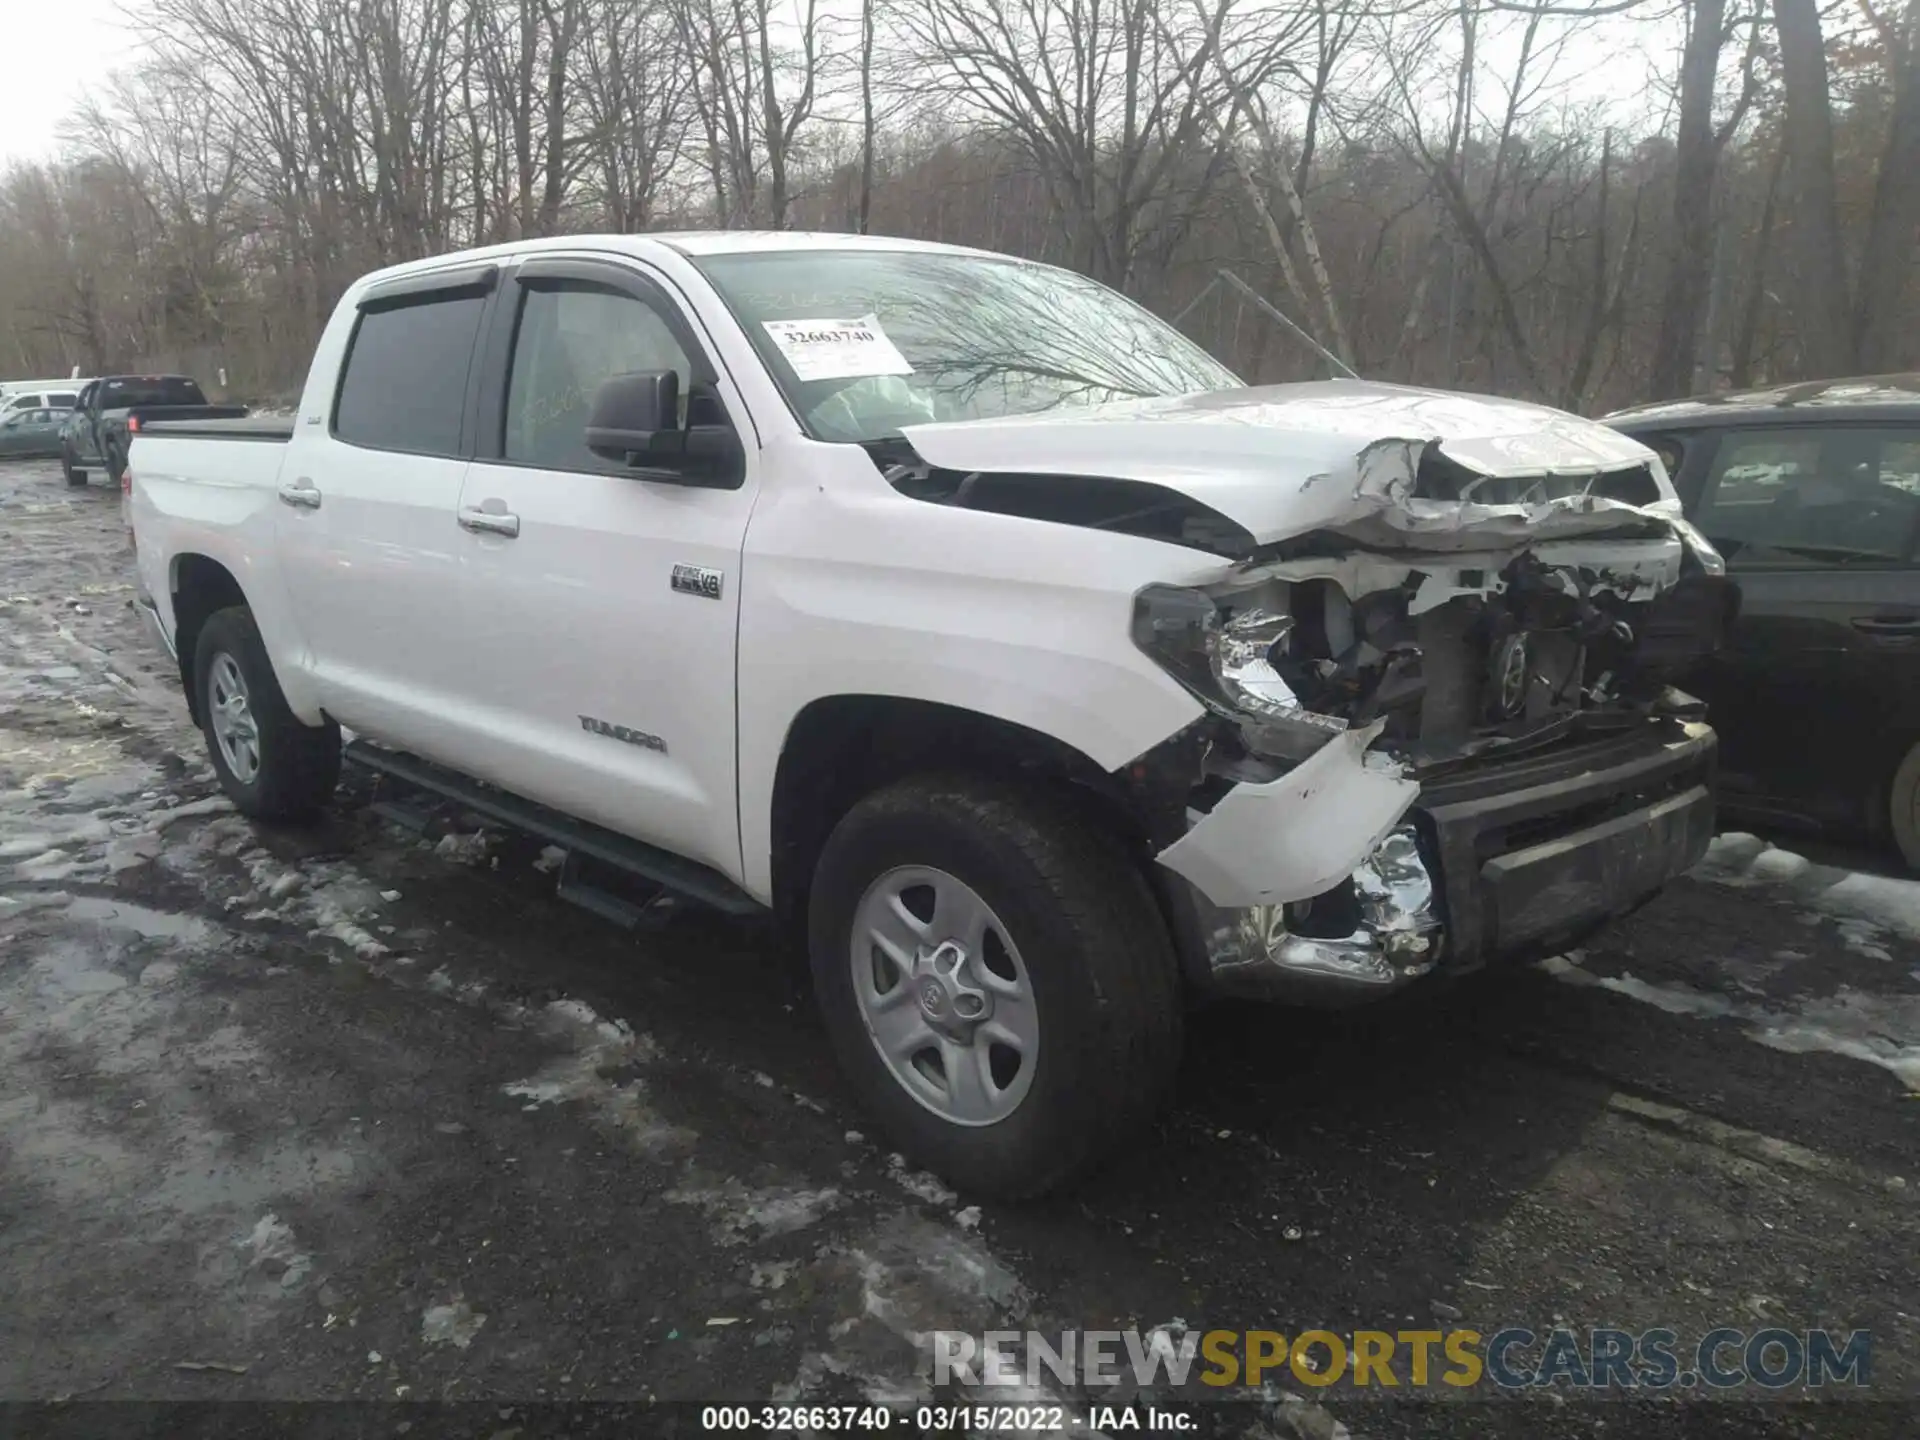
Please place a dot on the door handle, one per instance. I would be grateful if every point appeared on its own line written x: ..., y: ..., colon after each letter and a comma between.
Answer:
x: 301, y: 492
x: 1888, y: 624
x: 489, y: 522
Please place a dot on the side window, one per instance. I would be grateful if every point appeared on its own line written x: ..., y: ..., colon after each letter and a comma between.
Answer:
x: 1900, y: 463
x: 405, y: 382
x: 573, y: 336
x: 62, y: 400
x: 1788, y: 497
x: 1669, y: 448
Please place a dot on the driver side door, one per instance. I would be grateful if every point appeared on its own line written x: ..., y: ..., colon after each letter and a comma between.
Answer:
x: 76, y: 434
x: 1818, y: 525
x: 609, y: 596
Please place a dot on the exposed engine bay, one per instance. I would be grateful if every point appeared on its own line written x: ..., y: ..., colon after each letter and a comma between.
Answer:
x: 1341, y: 685
x: 1453, y: 657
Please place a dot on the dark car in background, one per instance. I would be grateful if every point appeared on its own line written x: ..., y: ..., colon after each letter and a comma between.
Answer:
x: 1812, y: 493
x: 26, y: 434
x: 112, y: 408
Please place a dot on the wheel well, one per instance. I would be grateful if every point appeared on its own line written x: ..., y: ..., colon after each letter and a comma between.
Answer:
x: 201, y: 587
x: 844, y: 747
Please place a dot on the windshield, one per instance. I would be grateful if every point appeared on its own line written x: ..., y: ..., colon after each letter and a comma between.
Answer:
x: 866, y: 342
x: 149, y: 390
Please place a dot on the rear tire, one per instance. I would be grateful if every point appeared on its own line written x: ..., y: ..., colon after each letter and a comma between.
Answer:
x: 271, y: 765
x: 1086, y: 940
x: 1903, y: 807
x: 74, y: 476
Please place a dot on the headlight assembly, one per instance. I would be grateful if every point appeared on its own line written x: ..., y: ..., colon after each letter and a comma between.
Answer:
x: 1227, y: 665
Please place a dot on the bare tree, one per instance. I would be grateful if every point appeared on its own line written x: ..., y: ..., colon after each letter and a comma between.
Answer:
x: 1821, y: 308
x: 1698, y: 146
x: 1882, y: 338
x: 634, y: 109
x: 1414, y: 174
x: 754, y: 82
x: 1111, y: 104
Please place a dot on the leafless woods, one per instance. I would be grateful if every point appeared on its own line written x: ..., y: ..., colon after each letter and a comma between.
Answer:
x: 1442, y: 191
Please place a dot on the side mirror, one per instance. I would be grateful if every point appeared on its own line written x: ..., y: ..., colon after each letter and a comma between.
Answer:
x: 631, y: 412
x: 635, y: 421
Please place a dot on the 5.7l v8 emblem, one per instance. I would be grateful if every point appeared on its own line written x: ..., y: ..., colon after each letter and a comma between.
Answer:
x: 698, y: 580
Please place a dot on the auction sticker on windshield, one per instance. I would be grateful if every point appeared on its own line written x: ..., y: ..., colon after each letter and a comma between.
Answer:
x: 837, y: 349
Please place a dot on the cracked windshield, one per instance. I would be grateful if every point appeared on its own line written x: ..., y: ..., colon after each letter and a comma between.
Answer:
x: 948, y: 337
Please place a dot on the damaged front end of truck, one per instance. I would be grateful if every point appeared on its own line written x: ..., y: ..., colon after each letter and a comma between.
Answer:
x: 1441, y: 723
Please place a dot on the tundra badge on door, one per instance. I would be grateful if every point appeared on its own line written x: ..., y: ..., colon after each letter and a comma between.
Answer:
x: 698, y: 580
x: 622, y: 732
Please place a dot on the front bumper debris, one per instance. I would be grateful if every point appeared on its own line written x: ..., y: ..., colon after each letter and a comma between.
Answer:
x: 1294, y: 837
x: 1507, y: 861
x: 1251, y: 952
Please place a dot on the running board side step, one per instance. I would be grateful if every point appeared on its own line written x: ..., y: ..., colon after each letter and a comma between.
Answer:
x: 686, y: 878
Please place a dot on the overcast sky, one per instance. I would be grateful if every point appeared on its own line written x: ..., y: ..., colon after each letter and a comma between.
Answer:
x: 50, y: 48
x: 47, y: 50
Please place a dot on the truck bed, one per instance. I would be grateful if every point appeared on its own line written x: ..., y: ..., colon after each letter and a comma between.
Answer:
x: 274, y: 429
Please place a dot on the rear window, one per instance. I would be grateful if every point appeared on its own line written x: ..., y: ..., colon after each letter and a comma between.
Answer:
x: 149, y: 390
x: 405, y: 382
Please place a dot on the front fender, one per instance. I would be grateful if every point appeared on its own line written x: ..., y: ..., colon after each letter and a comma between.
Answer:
x: 851, y: 588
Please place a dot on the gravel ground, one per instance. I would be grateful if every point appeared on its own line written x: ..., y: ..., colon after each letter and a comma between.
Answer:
x: 365, y: 1114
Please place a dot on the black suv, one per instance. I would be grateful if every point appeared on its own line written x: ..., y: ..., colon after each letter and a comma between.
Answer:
x: 1812, y: 492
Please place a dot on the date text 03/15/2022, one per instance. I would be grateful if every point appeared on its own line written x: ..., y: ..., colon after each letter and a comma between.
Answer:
x: 945, y: 1419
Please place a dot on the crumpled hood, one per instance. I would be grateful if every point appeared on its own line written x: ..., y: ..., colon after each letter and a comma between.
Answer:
x: 1284, y: 460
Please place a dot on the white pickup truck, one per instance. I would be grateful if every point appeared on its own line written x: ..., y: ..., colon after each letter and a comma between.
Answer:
x: 969, y: 618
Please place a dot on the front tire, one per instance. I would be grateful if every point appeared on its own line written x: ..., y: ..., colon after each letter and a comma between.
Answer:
x: 1903, y: 807
x: 997, y: 981
x: 74, y: 476
x: 271, y: 765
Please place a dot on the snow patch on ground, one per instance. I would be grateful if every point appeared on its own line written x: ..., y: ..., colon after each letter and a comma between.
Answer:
x: 454, y: 1323
x: 271, y: 1249
x: 464, y: 849
x: 918, y: 1183
x: 325, y: 899
x: 1867, y: 908
x: 742, y: 1213
x: 1882, y: 1030
x: 597, y: 1074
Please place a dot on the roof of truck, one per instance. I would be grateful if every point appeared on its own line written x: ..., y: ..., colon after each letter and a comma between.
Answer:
x: 735, y: 242
x: 1865, y: 397
x: 689, y: 243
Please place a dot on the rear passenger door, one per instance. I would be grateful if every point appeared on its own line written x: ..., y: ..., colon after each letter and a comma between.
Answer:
x: 367, y: 530
x: 1818, y: 525
x: 609, y: 688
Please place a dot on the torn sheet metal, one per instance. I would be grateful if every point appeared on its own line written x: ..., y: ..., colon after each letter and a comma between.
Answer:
x: 1344, y: 455
x: 1252, y: 953
x: 1387, y: 510
x: 1632, y: 569
x: 1297, y: 836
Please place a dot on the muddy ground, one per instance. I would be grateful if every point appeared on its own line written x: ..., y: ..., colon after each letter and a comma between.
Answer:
x: 366, y: 1114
